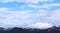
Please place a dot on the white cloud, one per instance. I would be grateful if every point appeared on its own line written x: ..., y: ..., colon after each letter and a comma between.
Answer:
x: 11, y: 16
x: 4, y: 9
x: 14, y: 18
x: 39, y: 13
x: 36, y: 6
x: 55, y: 4
x: 54, y: 17
x: 5, y: 1
x: 47, y: 6
x: 40, y: 25
x: 31, y: 5
x: 19, y: 17
x: 32, y: 1
x: 42, y: 13
x: 36, y: 1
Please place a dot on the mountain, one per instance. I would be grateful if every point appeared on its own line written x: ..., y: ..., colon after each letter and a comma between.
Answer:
x: 53, y: 29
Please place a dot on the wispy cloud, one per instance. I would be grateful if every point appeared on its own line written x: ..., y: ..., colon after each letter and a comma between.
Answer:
x: 26, y: 17
x: 27, y: 1
x: 4, y: 9
x: 19, y: 17
x: 54, y: 16
x: 46, y: 6
x: 55, y: 4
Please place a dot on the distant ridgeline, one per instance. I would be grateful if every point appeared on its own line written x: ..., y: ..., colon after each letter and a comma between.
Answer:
x: 53, y: 29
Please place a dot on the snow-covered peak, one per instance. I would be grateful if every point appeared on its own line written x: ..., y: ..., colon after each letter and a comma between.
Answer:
x: 40, y: 25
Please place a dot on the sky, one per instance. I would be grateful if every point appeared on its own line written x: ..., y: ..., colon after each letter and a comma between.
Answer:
x: 29, y: 13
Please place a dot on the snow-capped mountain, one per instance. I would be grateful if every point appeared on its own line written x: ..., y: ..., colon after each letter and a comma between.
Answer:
x: 40, y: 25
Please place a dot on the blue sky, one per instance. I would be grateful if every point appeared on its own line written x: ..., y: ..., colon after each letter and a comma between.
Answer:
x: 29, y: 12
